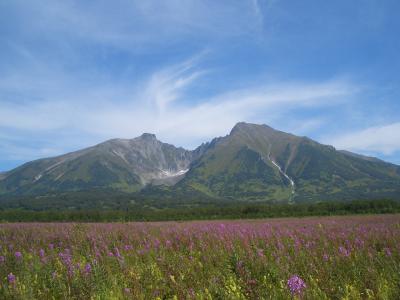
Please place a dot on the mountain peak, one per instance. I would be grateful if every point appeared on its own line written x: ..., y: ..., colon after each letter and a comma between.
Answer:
x: 148, y: 136
x: 243, y: 126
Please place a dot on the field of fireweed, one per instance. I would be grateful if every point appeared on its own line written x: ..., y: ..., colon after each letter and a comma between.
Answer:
x: 310, y: 258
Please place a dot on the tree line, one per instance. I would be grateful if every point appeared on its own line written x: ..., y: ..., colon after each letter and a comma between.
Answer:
x: 203, y: 212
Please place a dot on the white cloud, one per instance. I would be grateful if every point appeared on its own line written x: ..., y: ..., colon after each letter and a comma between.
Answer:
x: 130, y: 24
x: 379, y: 139
x: 162, y: 111
x: 156, y: 105
x: 166, y: 86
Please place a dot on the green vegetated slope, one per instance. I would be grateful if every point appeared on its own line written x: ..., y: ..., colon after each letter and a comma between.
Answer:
x: 237, y: 166
x: 320, y: 170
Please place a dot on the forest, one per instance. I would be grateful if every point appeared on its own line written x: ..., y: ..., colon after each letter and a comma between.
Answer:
x: 206, y: 211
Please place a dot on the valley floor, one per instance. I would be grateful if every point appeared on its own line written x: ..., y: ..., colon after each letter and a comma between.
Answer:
x: 356, y: 257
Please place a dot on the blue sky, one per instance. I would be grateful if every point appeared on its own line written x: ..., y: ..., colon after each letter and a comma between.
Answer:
x: 75, y: 73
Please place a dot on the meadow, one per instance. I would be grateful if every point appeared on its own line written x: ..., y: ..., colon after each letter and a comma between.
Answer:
x: 347, y: 257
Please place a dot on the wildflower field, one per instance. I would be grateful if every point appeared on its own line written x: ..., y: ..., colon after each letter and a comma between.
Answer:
x: 309, y: 258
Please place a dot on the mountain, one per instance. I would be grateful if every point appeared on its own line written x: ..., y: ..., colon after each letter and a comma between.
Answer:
x: 257, y: 162
x: 252, y: 163
x: 119, y: 164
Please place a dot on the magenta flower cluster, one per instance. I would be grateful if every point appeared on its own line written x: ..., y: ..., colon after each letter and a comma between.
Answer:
x: 296, y: 285
x: 18, y: 255
x: 11, y: 278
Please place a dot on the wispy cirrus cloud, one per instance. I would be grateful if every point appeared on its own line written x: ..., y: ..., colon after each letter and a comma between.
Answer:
x: 376, y: 139
x: 130, y: 25
x: 158, y: 105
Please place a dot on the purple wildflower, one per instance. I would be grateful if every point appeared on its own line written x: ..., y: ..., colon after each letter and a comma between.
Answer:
x: 128, y: 247
x: 18, y: 255
x: 117, y: 253
x: 191, y: 293
x: 65, y: 258
x: 260, y: 252
x: 296, y: 285
x: 2, y: 259
x: 88, y: 268
x: 142, y: 251
x: 41, y: 253
x: 11, y: 278
x: 344, y: 252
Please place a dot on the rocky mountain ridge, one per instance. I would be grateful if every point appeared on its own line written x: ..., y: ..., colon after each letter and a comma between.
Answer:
x: 252, y: 163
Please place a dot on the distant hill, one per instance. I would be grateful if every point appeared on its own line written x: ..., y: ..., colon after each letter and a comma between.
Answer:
x: 252, y: 163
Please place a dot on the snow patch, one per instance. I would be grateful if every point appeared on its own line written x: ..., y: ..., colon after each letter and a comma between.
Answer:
x: 51, y: 168
x: 169, y: 173
x: 283, y: 173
